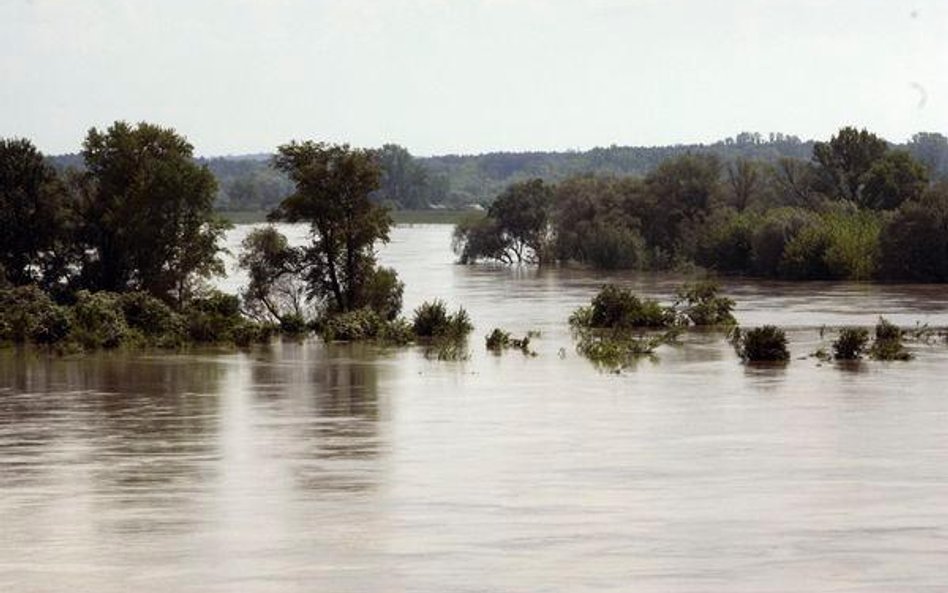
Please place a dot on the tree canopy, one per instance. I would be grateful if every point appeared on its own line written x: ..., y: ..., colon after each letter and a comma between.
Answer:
x: 32, y: 212
x: 333, y: 188
x: 146, y: 211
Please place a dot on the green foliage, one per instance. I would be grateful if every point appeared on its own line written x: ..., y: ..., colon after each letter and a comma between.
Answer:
x: 98, y: 320
x: 610, y: 247
x: 383, y: 292
x: 405, y: 181
x: 333, y: 188
x: 761, y: 344
x: 844, y: 161
x: 617, y: 308
x: 213, y: 318
x: 358, y: 325
x: 914, y: 244
x: 149, y: 315
x: 27, y: 314
x: 726, y: 241
x: 431, y: 320
x: 33, y: 214
x: 888, y: 342
x: 498, y: 340
x: 703, y: 307
x: 618, y: 349
x: 850, y: 344
x: 293, y: 325
x: 892, y: 180
x: 276, y: 290
x: 516, y: 229
x: 145, y: 210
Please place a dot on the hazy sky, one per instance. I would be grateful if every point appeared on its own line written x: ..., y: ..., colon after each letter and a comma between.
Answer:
x: 467, y: 76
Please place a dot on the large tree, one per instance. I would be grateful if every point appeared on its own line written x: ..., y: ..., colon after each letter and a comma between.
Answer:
x: 333, y: 185
x: 32, y: 212
x: 844, y: 161
x: 147, y: 212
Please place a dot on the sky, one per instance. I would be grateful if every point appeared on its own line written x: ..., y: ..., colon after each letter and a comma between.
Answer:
x: 471, y: 76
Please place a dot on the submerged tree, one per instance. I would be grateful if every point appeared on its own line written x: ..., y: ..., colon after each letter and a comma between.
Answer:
x: 146, y: 213
x: 333, y: 185
x: 516, y: 229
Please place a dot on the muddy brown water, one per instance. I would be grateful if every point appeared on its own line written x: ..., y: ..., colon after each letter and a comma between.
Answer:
x: 307, y: 467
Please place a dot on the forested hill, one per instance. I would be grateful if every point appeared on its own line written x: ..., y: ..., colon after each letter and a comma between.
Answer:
x: 247, y: 182
x: 479, y: 178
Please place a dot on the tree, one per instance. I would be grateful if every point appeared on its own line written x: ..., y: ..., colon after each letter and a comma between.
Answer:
x: 680, y: 190
x: 333, y: 185
x: 275, y: 290
x: 516, y: 229
x: 146, y: 213
x: 892, y: 180
x: 931, y: 149
x: 914, y: 244
x: 844, y: 161
x: 404, y: 180
x: 32, y: 211
x: 745, y: 182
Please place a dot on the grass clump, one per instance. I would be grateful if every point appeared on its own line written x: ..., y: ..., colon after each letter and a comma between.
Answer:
x: 761, y: 344
x: 850, y: 344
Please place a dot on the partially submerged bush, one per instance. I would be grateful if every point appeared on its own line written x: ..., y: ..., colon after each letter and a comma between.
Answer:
x: 888, y: 343
x: 761, y: 344
x: 499, y: 340
x: 617, y: 308
x: 619, y: 349
x: 850, y: 344
x: 431, y: 320
x: 703, y: 306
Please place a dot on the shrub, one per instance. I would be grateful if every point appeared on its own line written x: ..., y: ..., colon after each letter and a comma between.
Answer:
x: 431, y: 320
x: 98, y: 320
x: 888, y: 342
x: 383, y: 293
x: 28, y: 314
x: 850, y: 344
x: 150, y: 316
x: 360, y: 324
x: 293, y: 324
x: 213, y: 318
x: 617, y: 308
x: 497, y: 340
x: 761, y: 344
x: 725, y: 242
x: 611, y: 247
x: 703, y: 306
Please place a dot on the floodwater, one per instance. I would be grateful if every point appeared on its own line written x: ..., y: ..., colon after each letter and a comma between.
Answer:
x: 305, y: 467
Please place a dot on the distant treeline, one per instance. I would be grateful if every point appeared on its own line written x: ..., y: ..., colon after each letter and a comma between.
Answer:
x: 250, y: 183
x: 856, y: 208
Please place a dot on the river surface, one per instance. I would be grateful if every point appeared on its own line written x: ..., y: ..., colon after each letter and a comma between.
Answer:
x: 349, y: 468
